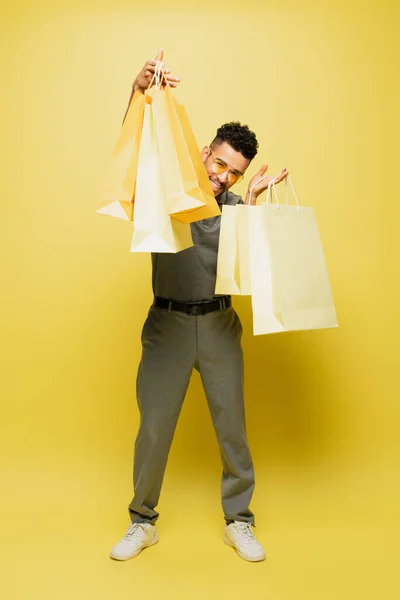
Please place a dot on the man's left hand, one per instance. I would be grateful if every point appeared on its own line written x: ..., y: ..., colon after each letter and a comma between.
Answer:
x: 263, y: 185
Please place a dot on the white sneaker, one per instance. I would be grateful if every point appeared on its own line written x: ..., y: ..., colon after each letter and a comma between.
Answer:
x: 138, y: 536
x: 239, y: 535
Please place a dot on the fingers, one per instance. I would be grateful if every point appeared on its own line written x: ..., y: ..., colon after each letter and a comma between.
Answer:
x: 145, y: 78
x: 282, y: 175
x: 263, y: 169
x: 160, y: 55
x: 150, y: 67
x: 172, y: 81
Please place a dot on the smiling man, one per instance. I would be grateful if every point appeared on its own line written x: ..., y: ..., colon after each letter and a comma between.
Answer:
x: 189, y: 327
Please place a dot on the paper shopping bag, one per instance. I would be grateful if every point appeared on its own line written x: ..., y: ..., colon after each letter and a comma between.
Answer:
x: 204, y: 191
x: 233, y: 269
x: 121, y: 178
x: 186, y: 200
x: 243, y: 233
x: 154, y: 230
x: 289, y: 280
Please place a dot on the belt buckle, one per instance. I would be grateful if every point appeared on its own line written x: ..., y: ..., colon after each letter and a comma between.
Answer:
x: 194, y: 310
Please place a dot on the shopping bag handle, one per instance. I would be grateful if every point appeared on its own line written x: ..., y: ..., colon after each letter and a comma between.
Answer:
x: 259, y: 181
x: 159, y: 76
x: 272, y: 184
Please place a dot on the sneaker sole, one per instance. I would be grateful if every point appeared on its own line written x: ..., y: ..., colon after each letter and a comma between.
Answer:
x: 117, y: 557
x: 248, y: 558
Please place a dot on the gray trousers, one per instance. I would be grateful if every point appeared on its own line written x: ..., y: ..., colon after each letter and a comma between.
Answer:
x: 173, y: 344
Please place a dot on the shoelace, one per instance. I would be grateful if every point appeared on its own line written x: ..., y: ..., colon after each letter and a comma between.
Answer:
x: 245, y: 533
x: 133, y: 531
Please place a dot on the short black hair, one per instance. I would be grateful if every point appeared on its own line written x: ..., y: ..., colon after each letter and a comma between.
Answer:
x: 240, y: 137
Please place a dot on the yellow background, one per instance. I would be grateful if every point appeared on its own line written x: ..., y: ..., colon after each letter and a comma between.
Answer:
x: 317, y: 82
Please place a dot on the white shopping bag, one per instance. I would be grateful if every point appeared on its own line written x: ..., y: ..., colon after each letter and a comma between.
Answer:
x: 274, y: 253
x: 290, y: 286
x: 154, y: 230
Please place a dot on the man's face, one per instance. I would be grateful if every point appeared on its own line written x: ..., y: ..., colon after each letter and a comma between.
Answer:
x: 236, y: 164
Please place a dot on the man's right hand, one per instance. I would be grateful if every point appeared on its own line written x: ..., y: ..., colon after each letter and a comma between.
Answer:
x: 143, y: 80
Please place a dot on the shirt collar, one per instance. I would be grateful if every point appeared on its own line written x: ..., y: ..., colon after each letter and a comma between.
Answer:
x: 222, y: 198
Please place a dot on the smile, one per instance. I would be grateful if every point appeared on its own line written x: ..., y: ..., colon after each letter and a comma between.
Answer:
x: 216, y: 184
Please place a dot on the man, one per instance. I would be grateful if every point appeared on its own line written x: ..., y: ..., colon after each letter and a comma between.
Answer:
x: 189, y: 327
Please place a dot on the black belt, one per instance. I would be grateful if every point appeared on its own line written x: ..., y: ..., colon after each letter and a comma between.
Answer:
x: 194, y: 308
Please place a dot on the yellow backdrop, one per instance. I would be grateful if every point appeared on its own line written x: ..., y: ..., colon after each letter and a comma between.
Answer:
x: 316, y: 81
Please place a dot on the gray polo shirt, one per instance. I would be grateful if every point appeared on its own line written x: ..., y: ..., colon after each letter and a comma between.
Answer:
x: 190, y: 275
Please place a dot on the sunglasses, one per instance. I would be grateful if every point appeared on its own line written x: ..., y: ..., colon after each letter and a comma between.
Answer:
x: 219, y: 166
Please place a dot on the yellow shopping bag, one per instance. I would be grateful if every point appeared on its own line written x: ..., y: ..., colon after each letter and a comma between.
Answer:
x: 121, y: 178
x: 154, y: 230
x: 204, y: 191
x: 188, y: 191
